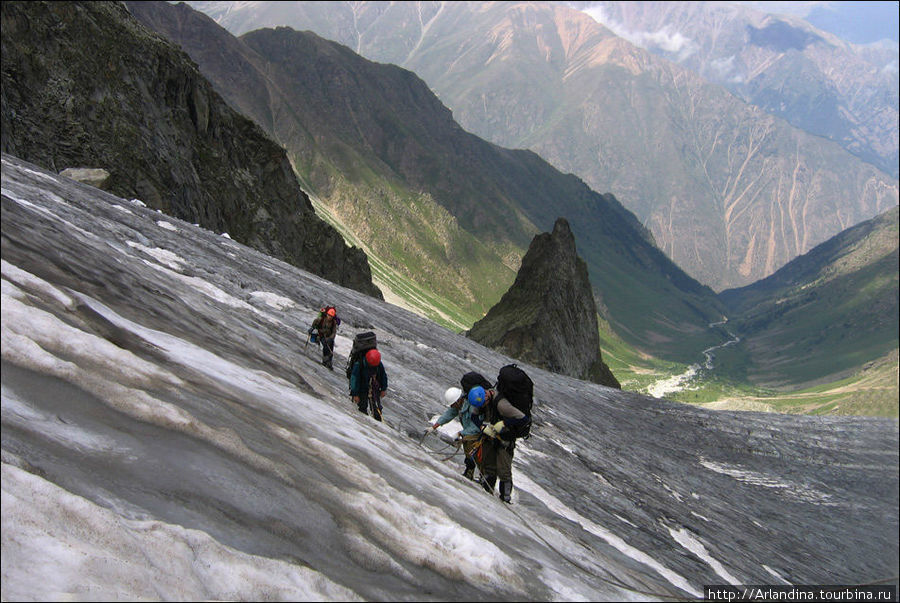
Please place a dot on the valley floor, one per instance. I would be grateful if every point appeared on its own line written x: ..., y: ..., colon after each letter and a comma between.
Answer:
x: 873, y: 391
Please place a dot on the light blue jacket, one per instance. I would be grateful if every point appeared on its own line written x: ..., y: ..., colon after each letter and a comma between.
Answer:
x: 463, y: 410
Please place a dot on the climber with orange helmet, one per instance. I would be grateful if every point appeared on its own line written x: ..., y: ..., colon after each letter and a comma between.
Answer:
x: 368, y: 383
x: 326, y: 325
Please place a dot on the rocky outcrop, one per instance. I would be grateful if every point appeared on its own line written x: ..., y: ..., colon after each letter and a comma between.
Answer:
x: 84, y: 84
x: 548, y: 317
x: 95, y: 177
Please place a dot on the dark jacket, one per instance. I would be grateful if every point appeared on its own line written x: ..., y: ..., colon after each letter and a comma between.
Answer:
x: 359, y: 378
x: 326, y: 328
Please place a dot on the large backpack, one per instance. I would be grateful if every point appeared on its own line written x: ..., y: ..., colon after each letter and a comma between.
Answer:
x: 362, y: 343
x: 470, y: 380
x: 515, y: 385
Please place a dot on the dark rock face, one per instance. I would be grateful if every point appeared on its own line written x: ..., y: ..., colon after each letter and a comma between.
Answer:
x: 84, y: 84
x: 548, y: 317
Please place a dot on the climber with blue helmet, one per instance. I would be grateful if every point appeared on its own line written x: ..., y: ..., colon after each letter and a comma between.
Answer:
x: 493, y: 413
x: 477, y: 396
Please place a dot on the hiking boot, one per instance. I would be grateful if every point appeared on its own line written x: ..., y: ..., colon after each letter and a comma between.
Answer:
x: 506, y: 491
x: 469, y: 473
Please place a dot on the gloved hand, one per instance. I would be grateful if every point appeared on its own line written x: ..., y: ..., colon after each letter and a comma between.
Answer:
x: 432, y: 428
x: 489, y: 430
x: 498, y: 427
x: 309, y: 331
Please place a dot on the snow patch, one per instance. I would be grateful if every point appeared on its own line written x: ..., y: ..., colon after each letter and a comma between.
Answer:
x: 791, y: 489
x: 273, y: 300
x: 686, y: 539
x: 85, y: 548
x: 778, y: 576
x: 163, y: 256
x: 27, y: 281
x: 555, y: 505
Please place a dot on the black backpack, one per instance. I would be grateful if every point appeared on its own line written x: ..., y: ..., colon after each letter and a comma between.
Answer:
x: 362, y: 343
x: 515, y: 385
x: 470, y: 380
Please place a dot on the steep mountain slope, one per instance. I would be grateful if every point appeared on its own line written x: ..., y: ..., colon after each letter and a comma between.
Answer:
x: 335, y: 121
x: 782, y: 64
x: 824, y: 314
x: 85, y: 85
x: 165, y: 437
x: 729, y: 192
x: 380, y: 128
x: 548, y: 316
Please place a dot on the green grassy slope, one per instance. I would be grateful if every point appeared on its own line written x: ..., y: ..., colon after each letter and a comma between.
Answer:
x: 823, y: 315
x: 873, y: 390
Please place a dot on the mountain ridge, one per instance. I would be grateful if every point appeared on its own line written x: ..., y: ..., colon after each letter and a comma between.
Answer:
x: 472, y: 179
x: 781, y: 63
x: 827, y: 312
x: 695, y: 164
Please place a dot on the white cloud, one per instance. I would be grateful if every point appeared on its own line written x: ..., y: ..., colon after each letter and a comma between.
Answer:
x: 665, y: 39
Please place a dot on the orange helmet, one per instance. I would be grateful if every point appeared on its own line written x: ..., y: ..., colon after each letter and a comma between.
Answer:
x: 373, y: 357
x: 331, y: 312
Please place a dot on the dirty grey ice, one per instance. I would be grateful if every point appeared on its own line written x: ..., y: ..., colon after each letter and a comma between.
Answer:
x: 168, y: 435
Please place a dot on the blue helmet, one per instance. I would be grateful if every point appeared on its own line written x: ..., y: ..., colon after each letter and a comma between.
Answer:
x: 476, y: 396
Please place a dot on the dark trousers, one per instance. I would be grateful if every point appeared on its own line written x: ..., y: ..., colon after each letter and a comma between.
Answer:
x: 328, y: 352
x: 497, y: 459
x: 363, y: 406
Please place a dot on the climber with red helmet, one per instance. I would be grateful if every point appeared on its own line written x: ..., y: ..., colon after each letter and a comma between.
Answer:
x: 326, y: 325
x: 368, y: 383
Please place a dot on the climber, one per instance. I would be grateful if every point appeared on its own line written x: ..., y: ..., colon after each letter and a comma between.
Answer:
x: 368, y: 383
x: 499, y: 421
x: 326, y: 325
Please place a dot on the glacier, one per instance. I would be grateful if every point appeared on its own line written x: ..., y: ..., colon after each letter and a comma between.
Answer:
x: 167, y: 434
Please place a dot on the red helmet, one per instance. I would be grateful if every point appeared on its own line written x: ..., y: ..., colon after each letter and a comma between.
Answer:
x: 331, y: 312
x: 373, y: 357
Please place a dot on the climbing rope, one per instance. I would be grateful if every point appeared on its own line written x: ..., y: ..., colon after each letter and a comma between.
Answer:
x: 455, y: 447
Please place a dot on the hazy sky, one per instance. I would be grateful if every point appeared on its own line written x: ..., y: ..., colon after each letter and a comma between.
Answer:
x: 857, y: 22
